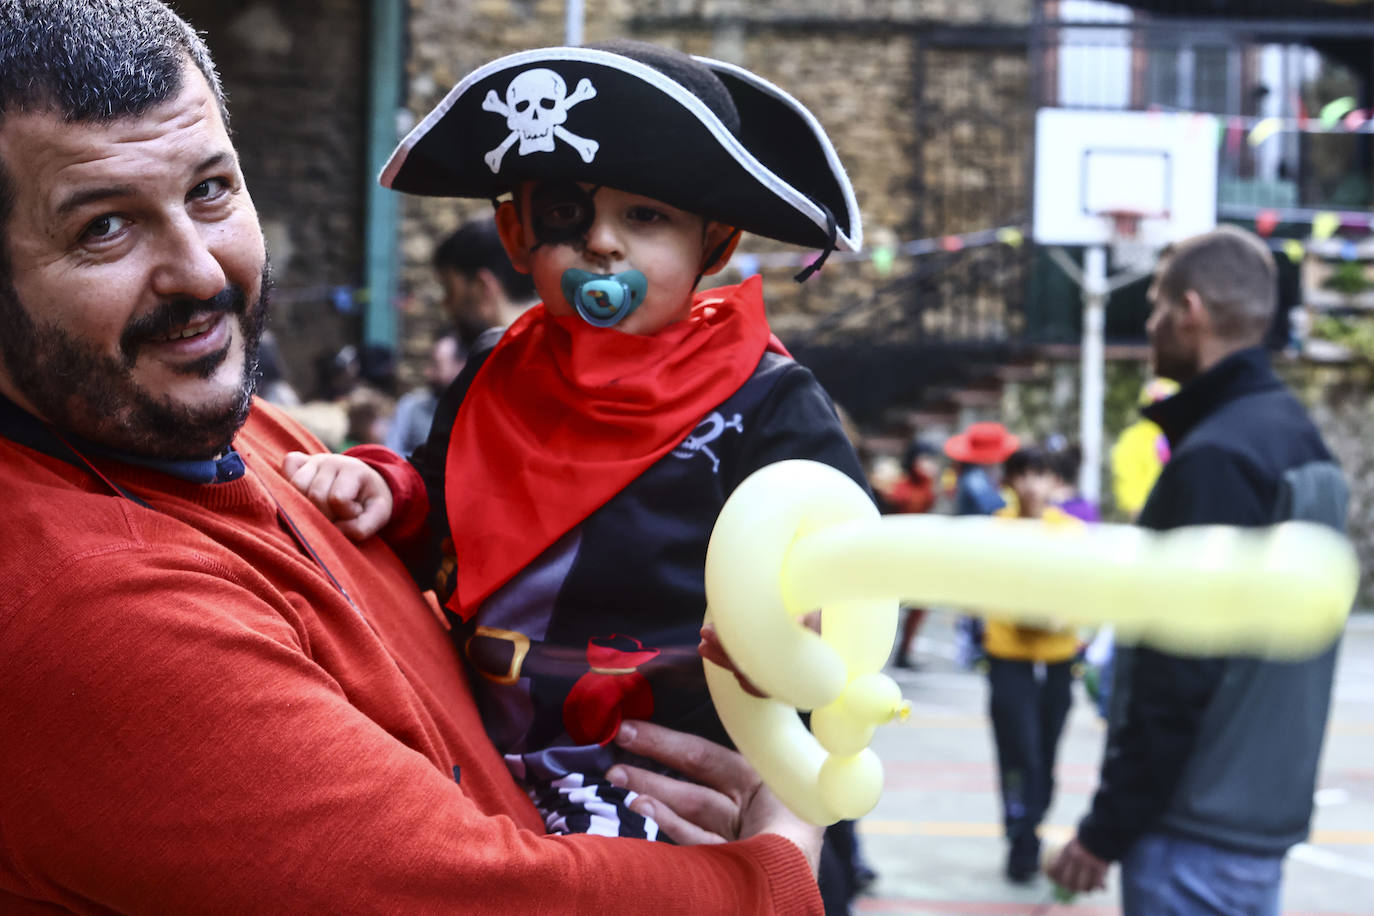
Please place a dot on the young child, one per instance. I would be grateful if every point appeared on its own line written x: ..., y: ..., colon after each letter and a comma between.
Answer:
x: 1030, y: 676
x: 576, y: 468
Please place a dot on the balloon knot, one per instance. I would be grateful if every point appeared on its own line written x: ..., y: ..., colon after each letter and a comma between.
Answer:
x: 903, y: 711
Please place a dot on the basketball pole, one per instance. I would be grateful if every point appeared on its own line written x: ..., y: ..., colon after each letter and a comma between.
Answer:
x: 1093, y: 372
x: 573, y: 18
x: 1097, y: 287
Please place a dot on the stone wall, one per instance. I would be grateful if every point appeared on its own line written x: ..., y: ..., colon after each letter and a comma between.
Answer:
x: 1341, y: 399
x: 854, y: 63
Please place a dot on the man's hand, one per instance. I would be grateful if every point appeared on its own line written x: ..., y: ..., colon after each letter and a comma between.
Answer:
x: 349, y: 492
x: 731, y: 802
x: 1077, y: 870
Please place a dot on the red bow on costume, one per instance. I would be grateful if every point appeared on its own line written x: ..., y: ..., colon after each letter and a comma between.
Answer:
x: 611, y: 692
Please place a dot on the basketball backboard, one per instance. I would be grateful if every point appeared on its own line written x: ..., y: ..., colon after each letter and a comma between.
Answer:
x: 1092, y: 164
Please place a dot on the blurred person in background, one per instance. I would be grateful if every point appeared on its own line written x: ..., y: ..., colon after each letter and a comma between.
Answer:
x: 913, y: 493
x: 481, y: 289
x: 977, y: 454
x: 1211, y: 760
x: 1139, y: 453
x: 273, y: 384
x: 369, y: 413
x: 415, y: 409
x: 1030, y: 675
x: 1065, y: 459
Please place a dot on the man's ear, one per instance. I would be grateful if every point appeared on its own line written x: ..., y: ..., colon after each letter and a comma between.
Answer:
x: 718, y: 234
x: 512, y: 232
x: 1195, y: 317
x: 491, y: 286
x: 491, y: 295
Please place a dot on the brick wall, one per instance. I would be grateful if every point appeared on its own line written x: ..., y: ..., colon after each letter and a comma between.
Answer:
x: 852, y: 62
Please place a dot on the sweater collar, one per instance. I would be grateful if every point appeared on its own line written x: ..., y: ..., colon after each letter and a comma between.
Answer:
x: 1244, y: 372
x: 23, y: 427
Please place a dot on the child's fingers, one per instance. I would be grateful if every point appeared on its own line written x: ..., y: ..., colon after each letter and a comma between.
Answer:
x: 300, y: 469
x: 345, y: 499
x: 292, y: 463
x: 367, y: 523
x: 322, y: 485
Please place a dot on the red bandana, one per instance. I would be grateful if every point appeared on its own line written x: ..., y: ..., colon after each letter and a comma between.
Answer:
x: 563, y: 415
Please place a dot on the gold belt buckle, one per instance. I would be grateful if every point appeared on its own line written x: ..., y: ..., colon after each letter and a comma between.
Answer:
x: 520, y: 647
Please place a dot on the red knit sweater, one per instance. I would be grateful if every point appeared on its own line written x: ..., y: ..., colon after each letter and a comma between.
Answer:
x: 194, y: 719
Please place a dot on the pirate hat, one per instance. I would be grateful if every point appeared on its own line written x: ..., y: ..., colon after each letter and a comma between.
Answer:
x: 753, y: 158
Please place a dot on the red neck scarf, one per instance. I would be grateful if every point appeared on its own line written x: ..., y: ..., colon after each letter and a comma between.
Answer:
x: 563, y: 415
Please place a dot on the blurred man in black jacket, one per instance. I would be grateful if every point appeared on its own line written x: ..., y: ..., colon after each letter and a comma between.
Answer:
x: 1211, y: 762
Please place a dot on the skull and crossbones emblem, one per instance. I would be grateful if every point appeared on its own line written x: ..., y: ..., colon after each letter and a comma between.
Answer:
x: 706, y: 432
x: 536, y: 106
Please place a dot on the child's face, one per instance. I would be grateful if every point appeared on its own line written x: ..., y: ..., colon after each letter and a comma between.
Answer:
x: 1032, y: 488
x: 626, y: 232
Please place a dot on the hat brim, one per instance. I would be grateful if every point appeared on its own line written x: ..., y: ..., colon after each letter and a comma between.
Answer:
x: 627, y: 125
x: 962, y: 449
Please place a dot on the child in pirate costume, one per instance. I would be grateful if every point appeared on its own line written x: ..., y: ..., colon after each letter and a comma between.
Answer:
x: 576, y: 468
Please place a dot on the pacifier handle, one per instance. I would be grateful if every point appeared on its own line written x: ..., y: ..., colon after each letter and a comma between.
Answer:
x: 604, y: 300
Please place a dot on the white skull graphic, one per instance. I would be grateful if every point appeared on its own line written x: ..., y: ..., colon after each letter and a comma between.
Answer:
x: 536, y: 105
x: 538, y: 102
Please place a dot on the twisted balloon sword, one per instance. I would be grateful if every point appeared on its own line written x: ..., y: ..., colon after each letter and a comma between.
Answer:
x: 798, y: 535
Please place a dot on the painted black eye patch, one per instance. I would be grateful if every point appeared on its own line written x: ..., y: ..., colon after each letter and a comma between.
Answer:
x: 561, y: 211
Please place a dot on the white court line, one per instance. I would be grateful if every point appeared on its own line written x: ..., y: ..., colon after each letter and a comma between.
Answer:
x: 1332, y: 861
x: 1334, y: 796
x: 937, y: 647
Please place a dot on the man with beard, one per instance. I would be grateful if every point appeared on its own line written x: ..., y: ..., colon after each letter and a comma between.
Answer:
x: 212, y: 700
x: 1210, y: 765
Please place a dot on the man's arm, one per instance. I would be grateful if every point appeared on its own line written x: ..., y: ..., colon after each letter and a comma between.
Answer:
x: 181, y: 748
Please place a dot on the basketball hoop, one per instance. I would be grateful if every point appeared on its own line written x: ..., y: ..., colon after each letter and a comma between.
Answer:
x: 1131, y: 249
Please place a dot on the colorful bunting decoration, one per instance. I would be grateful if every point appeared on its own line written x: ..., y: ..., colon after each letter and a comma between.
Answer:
x: 1333, y: 112
x: 1010, y: 235
x: 1264, y: 130
x: 1235, y: 134
x: 1324, y: 225
x: 883, y: 258
x: 1266, y: 221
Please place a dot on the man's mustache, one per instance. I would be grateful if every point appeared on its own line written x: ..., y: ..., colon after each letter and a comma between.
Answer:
x: 177, y: 313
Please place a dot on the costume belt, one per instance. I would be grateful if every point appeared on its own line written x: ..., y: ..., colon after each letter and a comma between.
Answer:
x: 505, y: 656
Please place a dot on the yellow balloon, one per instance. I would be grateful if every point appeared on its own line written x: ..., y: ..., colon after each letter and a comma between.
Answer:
x: 798, y: 536
x: 851, y: 785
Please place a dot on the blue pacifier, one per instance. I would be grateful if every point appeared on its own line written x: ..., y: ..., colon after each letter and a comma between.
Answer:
x: 604, y: 299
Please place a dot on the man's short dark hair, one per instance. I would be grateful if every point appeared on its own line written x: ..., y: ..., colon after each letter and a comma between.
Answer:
x: 1232, y: 271
x: 93, y: 61
x: 477, y: 244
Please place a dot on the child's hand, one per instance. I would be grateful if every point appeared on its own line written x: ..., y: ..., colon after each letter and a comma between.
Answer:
x: 348, y: 491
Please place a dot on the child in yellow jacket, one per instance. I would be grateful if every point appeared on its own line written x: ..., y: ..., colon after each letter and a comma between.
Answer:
x: 1029, y: 680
